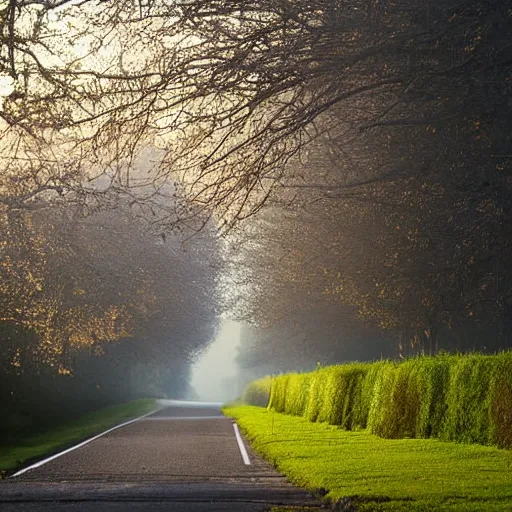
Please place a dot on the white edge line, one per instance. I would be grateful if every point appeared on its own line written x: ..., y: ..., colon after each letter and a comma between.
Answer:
x: 79, y: 445
x: 241, y: 446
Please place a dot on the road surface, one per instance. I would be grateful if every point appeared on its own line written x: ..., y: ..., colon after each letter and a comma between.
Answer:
x: 184, y: 458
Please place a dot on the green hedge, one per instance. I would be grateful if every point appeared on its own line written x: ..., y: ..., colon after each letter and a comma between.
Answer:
x: 464, y: 398
x: 257, y: 392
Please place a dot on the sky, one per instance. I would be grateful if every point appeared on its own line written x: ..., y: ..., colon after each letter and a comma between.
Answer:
x: 213, y: 376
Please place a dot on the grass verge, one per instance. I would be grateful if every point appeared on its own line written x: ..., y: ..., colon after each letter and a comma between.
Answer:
x: 13, y: 457
x: 368, y: 473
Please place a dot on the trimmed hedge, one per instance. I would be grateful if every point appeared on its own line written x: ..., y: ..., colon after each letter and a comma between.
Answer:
x: 257, y: 392
x: 463, y: 398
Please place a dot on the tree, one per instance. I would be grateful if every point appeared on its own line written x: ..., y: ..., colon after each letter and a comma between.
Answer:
x: 97, y: 309
x: 382, y: 129
x: 233, y: 93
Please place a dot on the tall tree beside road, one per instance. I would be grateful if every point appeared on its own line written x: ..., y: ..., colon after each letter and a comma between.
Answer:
x: 97, y: 309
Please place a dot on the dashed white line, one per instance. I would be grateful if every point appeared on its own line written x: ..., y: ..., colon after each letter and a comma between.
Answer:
x: 79, y: 445
x: 241, y: 446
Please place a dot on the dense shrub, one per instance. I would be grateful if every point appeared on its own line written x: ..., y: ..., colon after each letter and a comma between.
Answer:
x: 257, y: 392
x: 433, y: 381
x: 464, y: 398
x: 380, y: 421
x: 478, y: 400
x: 296, y: 394
x: 315, y: 393
x: 501, y: 406
x: 342, y: 393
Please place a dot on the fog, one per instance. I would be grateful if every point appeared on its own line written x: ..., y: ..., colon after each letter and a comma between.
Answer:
x: 214, y: 374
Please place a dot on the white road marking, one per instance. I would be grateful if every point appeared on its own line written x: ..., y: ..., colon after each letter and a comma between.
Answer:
x: 79, y: 445
x: 241, y: 446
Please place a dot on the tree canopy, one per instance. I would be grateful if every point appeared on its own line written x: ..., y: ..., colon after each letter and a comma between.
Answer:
x: 357, y: 155
x: 233, y: 92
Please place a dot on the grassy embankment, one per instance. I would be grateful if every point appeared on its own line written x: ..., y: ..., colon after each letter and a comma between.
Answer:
x: 381, y: 434
x: 375, y: 474
x: 18, y: 454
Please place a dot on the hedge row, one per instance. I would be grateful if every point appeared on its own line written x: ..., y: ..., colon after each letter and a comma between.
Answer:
x: 257, y: 392
x: 464, y: 398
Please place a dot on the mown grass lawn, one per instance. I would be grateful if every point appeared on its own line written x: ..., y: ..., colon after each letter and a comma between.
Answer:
x: 379, y: 474
x: 13, y: 456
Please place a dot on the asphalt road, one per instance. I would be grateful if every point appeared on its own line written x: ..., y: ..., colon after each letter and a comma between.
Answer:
x: 183, y: 458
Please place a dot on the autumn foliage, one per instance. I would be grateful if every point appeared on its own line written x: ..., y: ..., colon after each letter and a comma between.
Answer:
x: 96, y: 310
